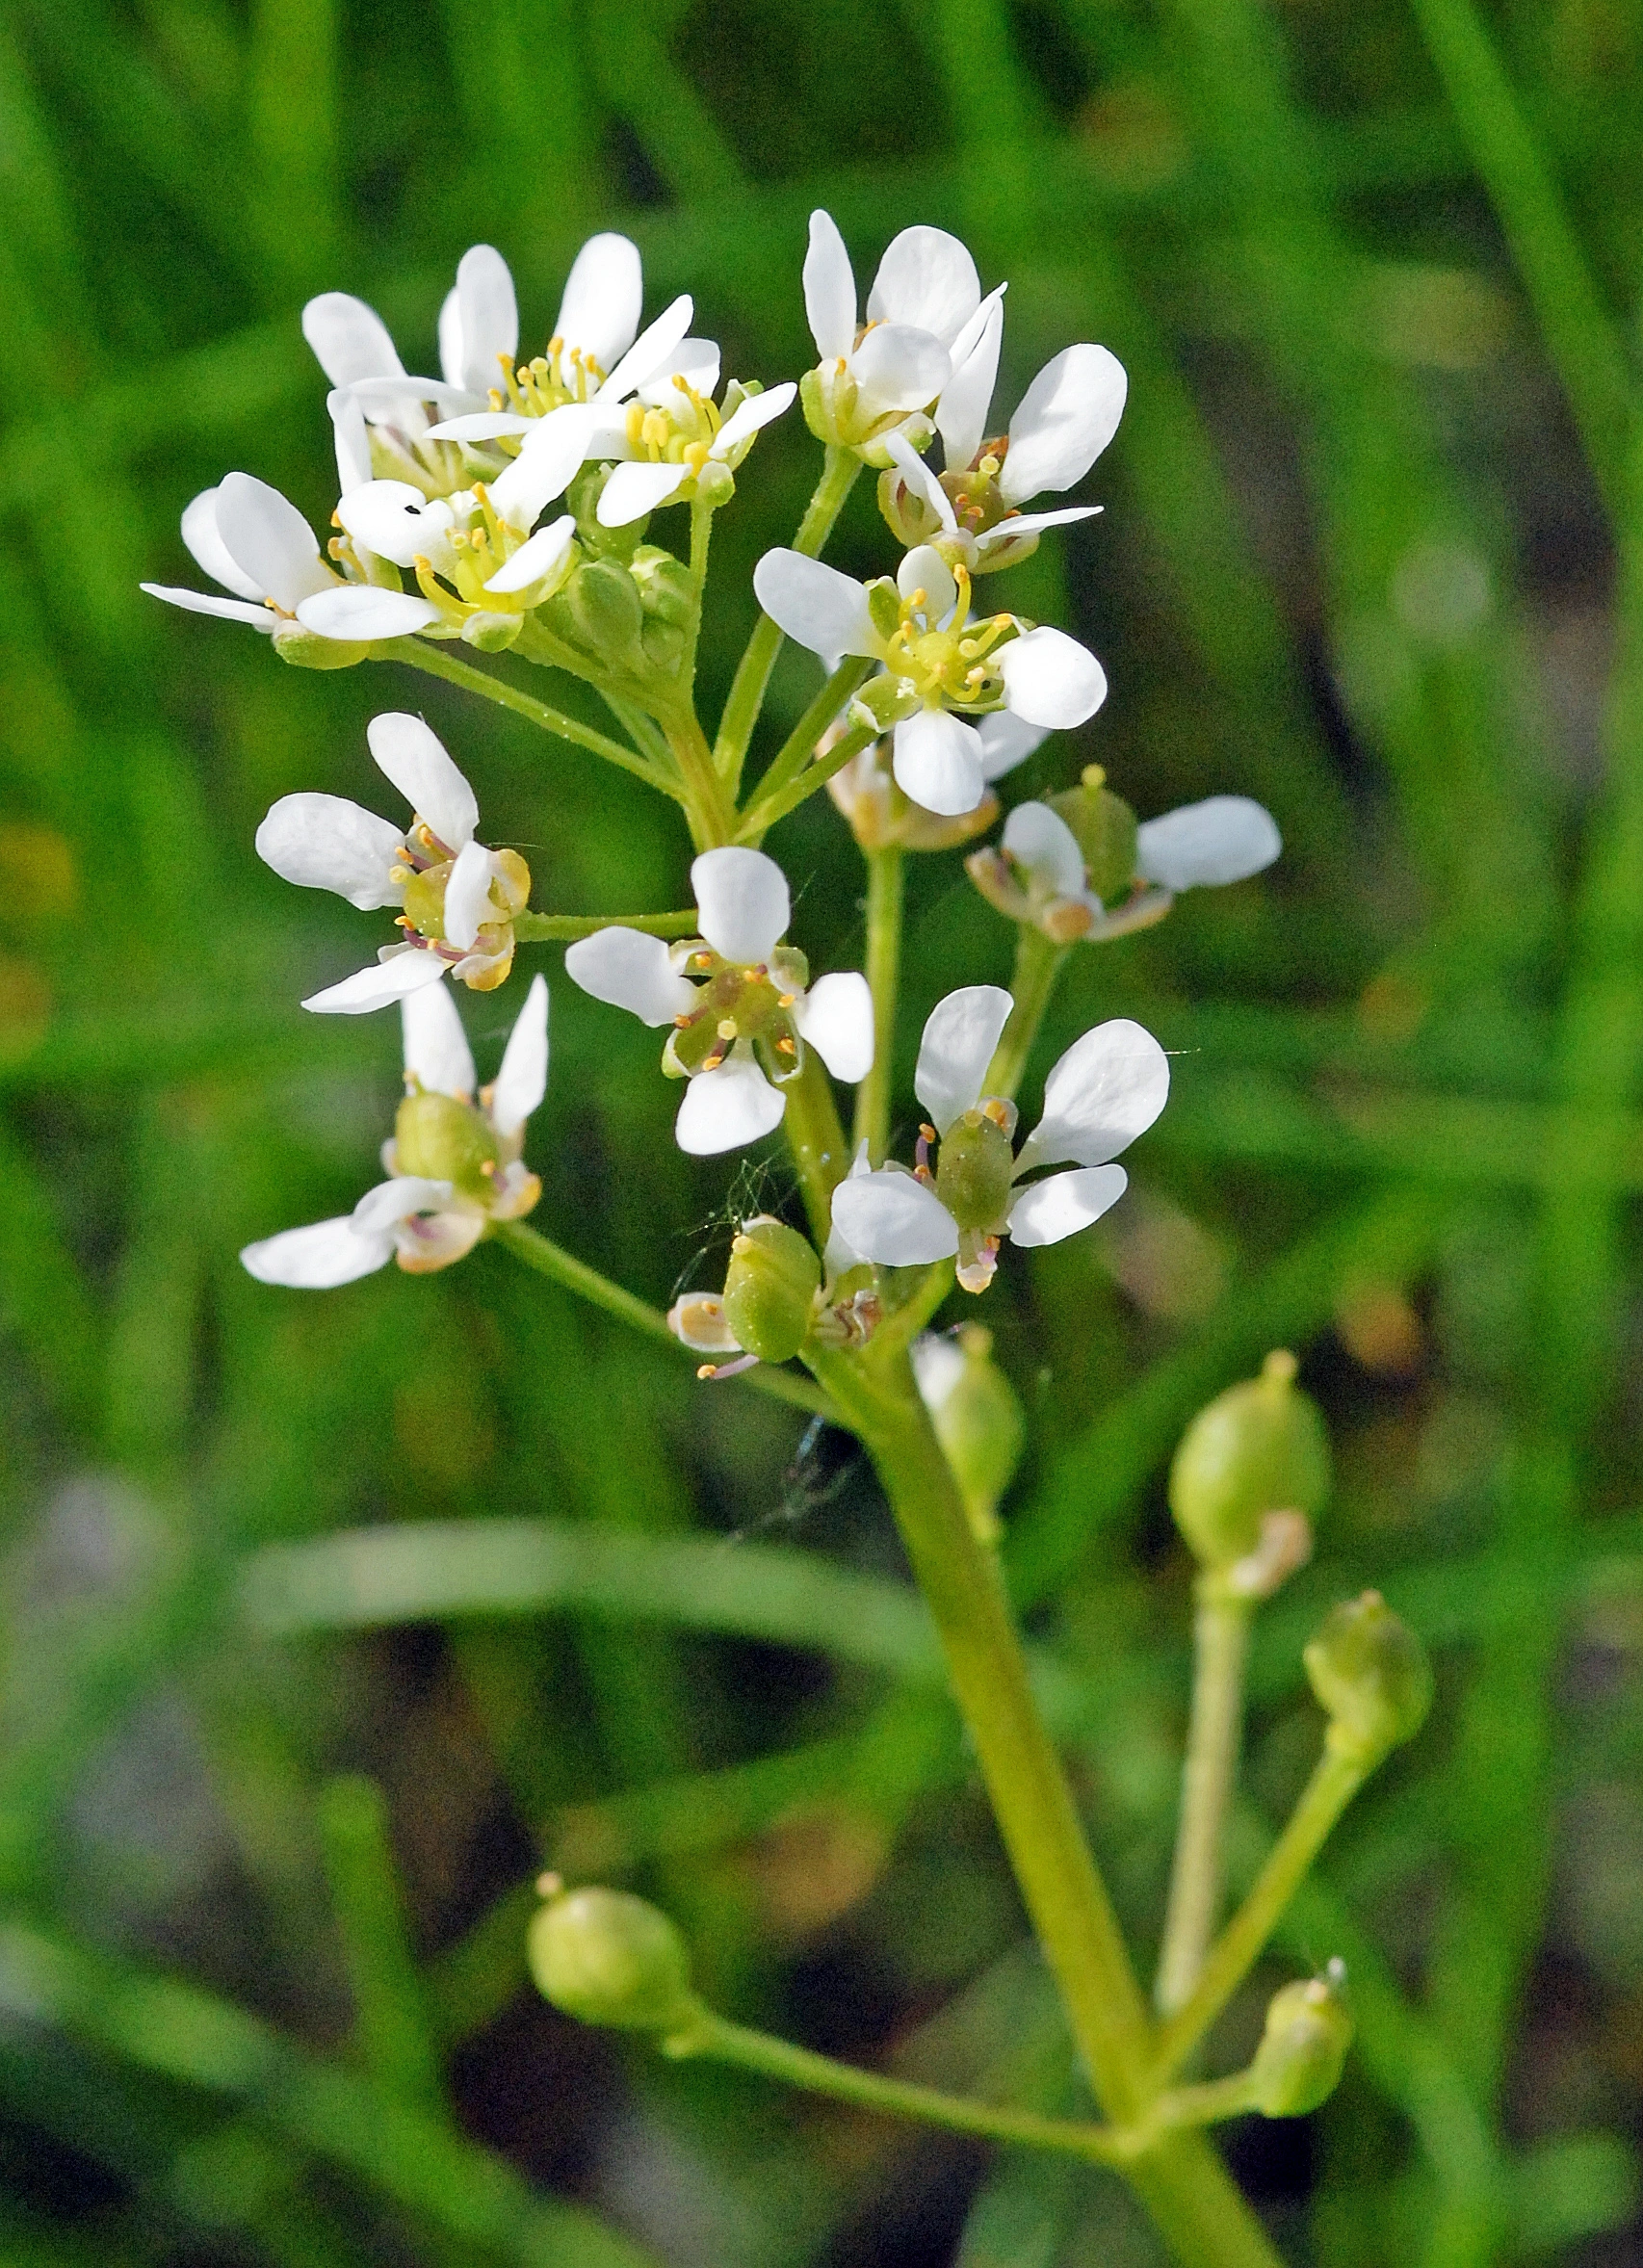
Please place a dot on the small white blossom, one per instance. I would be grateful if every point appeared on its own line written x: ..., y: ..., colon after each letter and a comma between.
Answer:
x: 428, y: 1221
x: 460, y: 897
x: 739, y: 1002
x: 1038, y: 874
x: 665, y: 450
x: 1108, y: 1088
x: 257, y: 546
x: 872, y: 381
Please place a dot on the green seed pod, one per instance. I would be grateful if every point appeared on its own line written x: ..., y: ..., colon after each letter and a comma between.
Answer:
x: 1104, y: 828
x: 977, y: 1418
x: 608, y: 1958
x: 1370, y: 1673
x: 1259, y: 1448
x: 973, y: 1172
x: 602, y: 600
x: 769, y: 1290
x: 437, y: 1136
x: 663, y: 583
x: 1299, y: 2062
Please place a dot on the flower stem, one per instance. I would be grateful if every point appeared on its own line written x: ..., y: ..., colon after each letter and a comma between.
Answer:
x: 434, y: 663
x: 1221, y: 1642
x: 799, y: 746
x: 551, y: 1259
x: 746, y: 697
x: 817, y: 1140
x: 708, y: 806
x: 544, y: 928
x: 1332, y: 1787
x: 884, y: 880
x: 766, y: 812
x: 701, y: 534
x: 1037, y: 965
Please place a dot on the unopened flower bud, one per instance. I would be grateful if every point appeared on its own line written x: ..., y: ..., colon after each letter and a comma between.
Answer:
x: 602, y: 603
x: 977, y: 1418
x: 437, y: 1136
x: 663, y: 585
x: 1370, y: 1673
x: 493, y: 633
x: 770, y: 1288
x: 307, y: 649
x: 1259, y: 1448
x: 1105, y: 830
x: 608, y: 1958
x: 1299, y: 2062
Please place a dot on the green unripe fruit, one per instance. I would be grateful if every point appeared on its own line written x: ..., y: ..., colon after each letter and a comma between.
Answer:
x: 769, y: 1288
x: 1259, y: 1448
x: 977, y: 1418
x: 1302, y: 2050
x: 607, y: 1957
x: 446, y: 1140
x: 974, y: 1170
x: 602, y: 600
x: 1370, y: 1673
x: 1103, y: 826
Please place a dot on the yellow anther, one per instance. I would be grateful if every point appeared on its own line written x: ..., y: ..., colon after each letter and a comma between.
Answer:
x: 701, y: 960
x: 786, y: 1047
x: 1094, y: 776
x: 683, y: 1022
x: 785, y: 999
x: 706, y: 1371
x: 712, y: 1062
x: 696, y: 454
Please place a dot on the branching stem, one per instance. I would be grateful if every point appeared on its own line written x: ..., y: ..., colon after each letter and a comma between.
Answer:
x: 1220, y: 1643
x: 884, y: 888
x: 1037, y: 965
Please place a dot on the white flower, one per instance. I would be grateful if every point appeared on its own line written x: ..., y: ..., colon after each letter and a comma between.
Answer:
x: 667, y: 448
x: 939, y: 660
x: 1039, y: 873
x: 429, y: 1219
x: 1106, y: 1090
x: 739, y: 1002
x: 871, y: 380
x: 460, y: 899
x: 257, y: 546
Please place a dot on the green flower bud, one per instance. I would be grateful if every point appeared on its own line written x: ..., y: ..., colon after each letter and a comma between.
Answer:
x: 885, y: 701
x: 493, y: 633
x: 974, y: 1171
x: 1104, y: 828
x: 769, y: 1290
x: 602, y: 603
x: 977, y: 1418
x: 607, y: 1957
x: 1299, y: 2062
x: 1259, y: 1448
x: 884, y: 605
x: 1370, y: 1673
x: 663, y: 585
x: 307, y: 649
x: 437, y: 1136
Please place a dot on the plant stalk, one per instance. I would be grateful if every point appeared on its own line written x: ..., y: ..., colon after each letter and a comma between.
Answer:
x: 817, y: 1140
x: 1037, y: 965
x: 532, y: 928
x: 1220, y: 1646
x: 884, y: 889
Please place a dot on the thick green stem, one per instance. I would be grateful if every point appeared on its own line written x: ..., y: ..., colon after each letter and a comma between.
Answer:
x: 544, y: 928
x: 799, y: 746
x: 817, y: 1140
x: 710, y: 810
x: 768, y: 809
x: 753, y: 676
x: 551, y: 1259
x: 1037, y: 965
x: 1332, y: 1787
x: 884, y: 879
x: 701, y: 535
x: 1221, y: 1641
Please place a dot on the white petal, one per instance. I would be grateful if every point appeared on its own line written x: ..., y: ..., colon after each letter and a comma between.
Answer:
x: 1064, y: 421
x: 467, y: 896
x: 349, y: 340
x: 1107, y: 1088
x: 327, y: 843
x: 210, y: 552
x: 961, y: 1033
x: 816, y: 605
x: 317, y: 1257
x: 1041, y: 841
x: 695, y: 361
x: 635, y: 489
x: 835, y: 1017
x: 898, y: 367
x: 1020, y: 524
x: 544, y: 467
x: 604, y: 294
x: 207, y: 601
x: 922, y: 568
x: 892, y: 1218
x: 1051, y: 679
x: 829, y: 288
x: 429, y: 1240
x: 415, y: 759
x: 1224, y: 839
x: 396, y: 521
x: 401, y: 398
x: 926, y: 278
x: 722, y: 1109
x: 489, y: 318
x: 650, y: 350
x: 270, y: 542
x: 436, y: 1051
x: 541, y: 555
x: 359, y: 613
x: 377, y: 986
x: 1067, y: 1202
x: 920, y: 480
x: 752, y: 414
x: 451, y: 336
x: 628, y: 970
x: 483, y: 425
x: 1007, y: 741
x: 961, y: 413
x: 350, y: 438
x: 396, y: 1200
x: 938, y: 1364
x: 523, y: 1080
x: 742, y: 902
x: 938, y: 762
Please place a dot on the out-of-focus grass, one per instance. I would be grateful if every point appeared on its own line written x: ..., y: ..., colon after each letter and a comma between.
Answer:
x: 332, y: 1619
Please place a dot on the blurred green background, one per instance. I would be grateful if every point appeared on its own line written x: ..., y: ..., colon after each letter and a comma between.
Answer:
x: 270, y: 1806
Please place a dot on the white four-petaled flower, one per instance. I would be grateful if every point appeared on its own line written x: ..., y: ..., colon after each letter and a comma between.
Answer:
x: 923, y: 310
x: 257, y: 546
x: 429, y: 1220
x: 732, y: 995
